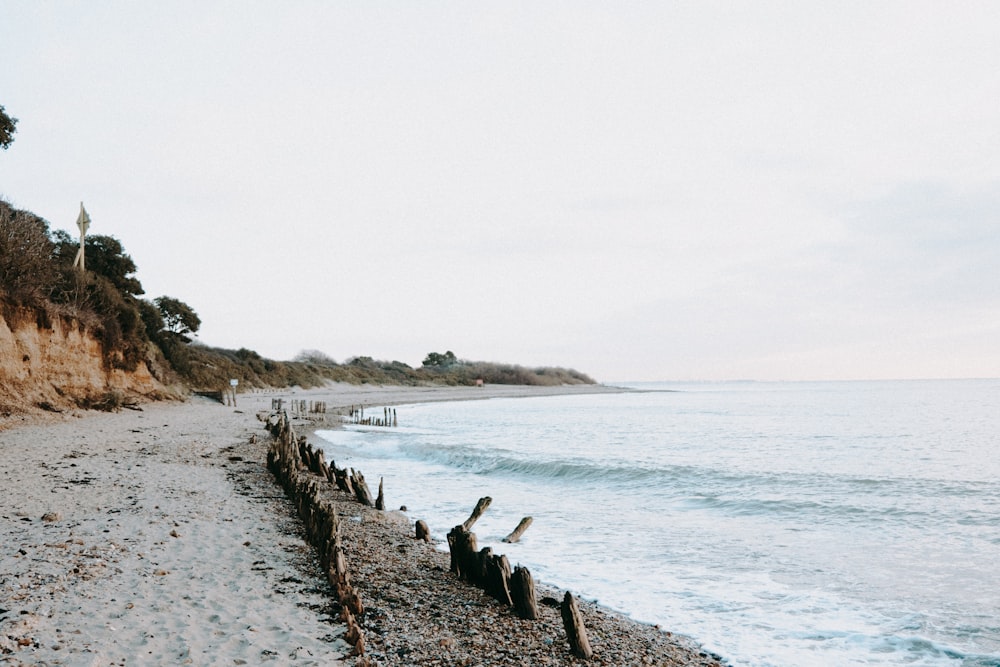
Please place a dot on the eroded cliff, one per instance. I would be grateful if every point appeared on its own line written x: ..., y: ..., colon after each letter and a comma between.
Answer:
x: 56, y: 364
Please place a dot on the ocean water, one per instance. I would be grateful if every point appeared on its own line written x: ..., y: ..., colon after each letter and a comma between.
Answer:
x: 839, y: 523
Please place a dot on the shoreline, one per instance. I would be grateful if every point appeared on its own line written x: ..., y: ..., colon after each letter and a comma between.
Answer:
x: 171, y: 540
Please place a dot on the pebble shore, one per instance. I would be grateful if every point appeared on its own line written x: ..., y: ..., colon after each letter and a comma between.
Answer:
x: 419, y: 613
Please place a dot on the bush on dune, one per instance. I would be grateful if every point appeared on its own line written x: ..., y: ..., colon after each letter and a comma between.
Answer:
x: 209, y: 367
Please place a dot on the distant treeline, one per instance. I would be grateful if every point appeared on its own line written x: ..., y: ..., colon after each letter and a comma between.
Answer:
x: 212, y: 367
x: 38, y: 271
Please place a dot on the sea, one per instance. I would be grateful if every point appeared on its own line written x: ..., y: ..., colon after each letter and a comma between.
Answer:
x: 776, y: 524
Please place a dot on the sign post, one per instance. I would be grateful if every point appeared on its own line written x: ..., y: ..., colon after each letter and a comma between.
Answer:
x: 232, y: 387
x: 83, y: 222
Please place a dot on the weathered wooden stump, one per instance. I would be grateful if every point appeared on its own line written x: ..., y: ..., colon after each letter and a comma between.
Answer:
x: 351, y: 600
x: 353, y: 634
x: 519, y: 531
x: 477, y: 512
x: 380, y: 501
x: 483, y: 559
x: 498, y: 579
x: 423, y: 532
x: 342, y: 478
x: 361, y: 490
x: 576, y: 633
x: 522, y: 592
x: 464, y: 558
x: 302, y: 449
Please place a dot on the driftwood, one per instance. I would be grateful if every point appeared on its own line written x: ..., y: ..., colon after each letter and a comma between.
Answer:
x: 423, y: 532
x: 477, y: 512
x: 576, y: 633
x: 519, y: 531
x: 522, y: 591
x: 380, y: 501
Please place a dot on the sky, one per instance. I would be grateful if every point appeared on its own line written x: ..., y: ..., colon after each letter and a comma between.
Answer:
x: 640, y: 191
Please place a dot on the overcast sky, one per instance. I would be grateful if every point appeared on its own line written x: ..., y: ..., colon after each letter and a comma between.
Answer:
x: 641, y: 191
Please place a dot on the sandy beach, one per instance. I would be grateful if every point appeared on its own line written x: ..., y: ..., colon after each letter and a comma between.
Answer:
x: 158, y: 537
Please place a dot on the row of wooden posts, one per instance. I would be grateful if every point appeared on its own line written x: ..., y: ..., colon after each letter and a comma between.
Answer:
x: 303, y: 409
x: 492, y: 573
x: 388, y: 419
x: 291, y: 459
x: 299, y: 407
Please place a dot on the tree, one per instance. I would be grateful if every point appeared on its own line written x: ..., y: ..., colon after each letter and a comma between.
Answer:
x: 105, y: 256
x: 363, y: 362
x: 27, y: 273
x: 436, y: 359
x: 178, y: 317
x: 316, y: 357
x: 152, y: 318
x: 8, y: 126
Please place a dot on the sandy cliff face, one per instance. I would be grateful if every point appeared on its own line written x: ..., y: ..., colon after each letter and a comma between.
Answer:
x: 59, y: 364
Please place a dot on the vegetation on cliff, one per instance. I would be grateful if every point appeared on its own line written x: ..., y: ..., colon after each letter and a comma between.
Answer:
x: 37, y: 272
x: 8, y: 126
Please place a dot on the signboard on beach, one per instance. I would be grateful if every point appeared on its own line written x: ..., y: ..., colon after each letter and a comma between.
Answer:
x: 233, y: 383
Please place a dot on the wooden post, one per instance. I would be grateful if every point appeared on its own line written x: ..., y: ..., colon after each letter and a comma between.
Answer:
x: 498, y: 579
x: 423, y: 532
x: 576, y: 633
x: 522, y: 592
x: 481, y: 506
x: 341, y: 477
x: 353, y: 634
x: 452, y: 544
x: 361, y: 488
x: 519, y: 531
x: 462, y: 545
x: 380, y: 501
x: 339, y: 562
x: 483, y: 556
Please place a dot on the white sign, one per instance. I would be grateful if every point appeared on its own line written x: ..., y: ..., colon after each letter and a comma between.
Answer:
x: 233, y: 383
